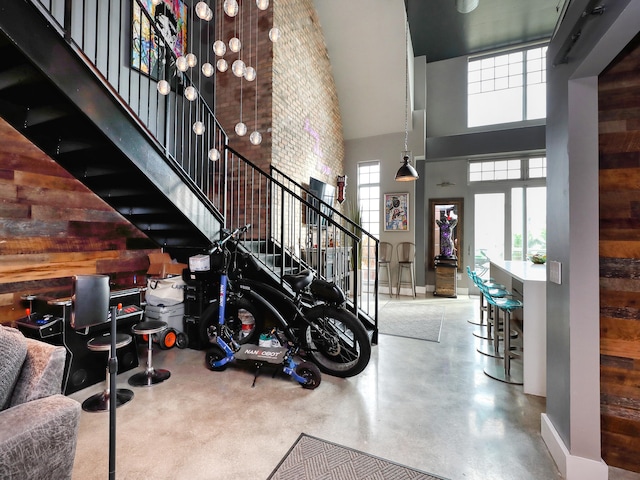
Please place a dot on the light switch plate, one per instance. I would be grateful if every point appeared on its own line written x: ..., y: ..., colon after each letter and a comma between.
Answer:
x: 555, y: 272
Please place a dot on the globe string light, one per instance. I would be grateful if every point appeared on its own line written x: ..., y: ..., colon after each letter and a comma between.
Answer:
x: 256, y: 137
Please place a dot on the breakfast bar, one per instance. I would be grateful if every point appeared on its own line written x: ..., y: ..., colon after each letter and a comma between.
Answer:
x: 528, y: 280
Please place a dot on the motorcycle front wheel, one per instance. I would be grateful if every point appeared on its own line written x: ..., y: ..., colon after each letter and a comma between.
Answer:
x: 242, y: 318
x: 336, y: 341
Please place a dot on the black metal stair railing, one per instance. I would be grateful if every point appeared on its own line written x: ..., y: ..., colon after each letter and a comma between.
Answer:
x: 321, y: 239
x: 291, y: 228
x: 131, y: 68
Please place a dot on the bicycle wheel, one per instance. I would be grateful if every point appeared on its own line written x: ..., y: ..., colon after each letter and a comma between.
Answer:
x: 337, y: 341
x: 242, y: 318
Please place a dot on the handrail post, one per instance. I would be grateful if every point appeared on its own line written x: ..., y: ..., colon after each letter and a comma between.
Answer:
x: 68, y: 8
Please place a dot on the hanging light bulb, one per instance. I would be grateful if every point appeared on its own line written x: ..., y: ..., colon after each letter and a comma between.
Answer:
x: 163, y: 87
x: 192, y: 60
x: 191, y: 93
x: 182, y: 64
x: 241, y: 129
x: 238, y: 68
x: 274, y: 34
x: 214, y: 155
x: 219, y: 48
x: 156, y: 2
x: 235, y: 45
x: 198, y: 128
x: 207, y: 69
x: 209, y: 15
x: 262, y: 4
x: 250, y: 74
x: 222, y: 65
x: 230, y: 7
x: 202, y: 10
x: 255, y: 138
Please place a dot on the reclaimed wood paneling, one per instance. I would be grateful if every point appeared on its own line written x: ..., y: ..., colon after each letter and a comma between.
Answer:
x: 52, y: 227
x: 619, y: 145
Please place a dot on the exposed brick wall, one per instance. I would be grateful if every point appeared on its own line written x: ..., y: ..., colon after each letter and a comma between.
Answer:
x: 307, y: 128
x: 298, y: 111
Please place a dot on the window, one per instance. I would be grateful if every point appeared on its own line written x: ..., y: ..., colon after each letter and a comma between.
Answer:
x: 369, y: 196
x: 510, y: 214
x: 509, y: 87
x: 508, y: 169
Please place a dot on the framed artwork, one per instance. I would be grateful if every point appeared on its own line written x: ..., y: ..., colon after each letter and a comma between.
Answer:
x: 396, y: 212
x: 148, y: 51
x: 445, y: 229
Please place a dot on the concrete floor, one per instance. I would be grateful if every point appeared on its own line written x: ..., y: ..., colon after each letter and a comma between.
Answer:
x: 423, y: 404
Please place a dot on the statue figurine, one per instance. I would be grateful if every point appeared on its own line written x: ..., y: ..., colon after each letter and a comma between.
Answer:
x: 447, y: 225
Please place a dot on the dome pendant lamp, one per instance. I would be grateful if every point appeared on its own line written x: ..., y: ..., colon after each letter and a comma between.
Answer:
x: 406, y: 173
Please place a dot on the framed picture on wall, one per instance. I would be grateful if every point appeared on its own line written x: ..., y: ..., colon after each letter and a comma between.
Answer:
x: 148, y: 50
x: 396, y: 212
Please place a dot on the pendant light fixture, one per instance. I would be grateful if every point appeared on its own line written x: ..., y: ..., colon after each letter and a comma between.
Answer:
x: 406, y: 173
x: 466, y: 6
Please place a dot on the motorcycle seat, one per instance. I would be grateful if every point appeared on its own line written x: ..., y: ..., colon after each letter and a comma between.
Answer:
x: 299, y: 281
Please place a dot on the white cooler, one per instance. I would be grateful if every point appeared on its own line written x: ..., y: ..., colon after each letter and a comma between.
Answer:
x: 173, y: 315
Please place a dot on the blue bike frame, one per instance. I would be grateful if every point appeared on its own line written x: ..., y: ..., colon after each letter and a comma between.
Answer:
x: 290, y: 366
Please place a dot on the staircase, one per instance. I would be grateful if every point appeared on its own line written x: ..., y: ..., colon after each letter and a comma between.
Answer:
x: 78, y: 100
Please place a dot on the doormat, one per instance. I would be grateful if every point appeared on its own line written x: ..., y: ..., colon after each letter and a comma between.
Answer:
x: 311, y: 458
x: 412, y: 320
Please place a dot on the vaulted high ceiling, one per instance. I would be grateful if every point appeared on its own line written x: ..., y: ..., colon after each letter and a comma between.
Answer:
x: 365, y: 41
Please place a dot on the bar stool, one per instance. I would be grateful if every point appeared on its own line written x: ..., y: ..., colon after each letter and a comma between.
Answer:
x: 473, y: 275
x: 384, y: 261
x: 100, y: 401
x: 491, y: 295
x: 90, y: 308
x: 504, y: 372
x: 406, y: 253
x: 151, y: 375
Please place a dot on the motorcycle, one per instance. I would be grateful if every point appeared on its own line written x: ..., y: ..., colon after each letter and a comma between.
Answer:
x: 311, y: 315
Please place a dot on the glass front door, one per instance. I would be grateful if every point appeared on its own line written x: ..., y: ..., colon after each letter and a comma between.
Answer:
x: 489, y: 228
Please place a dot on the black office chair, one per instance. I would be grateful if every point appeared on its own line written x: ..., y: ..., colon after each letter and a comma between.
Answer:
x: 89, y: 308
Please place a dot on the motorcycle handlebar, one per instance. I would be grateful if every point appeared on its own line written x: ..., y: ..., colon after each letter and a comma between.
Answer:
x: 218, y: 244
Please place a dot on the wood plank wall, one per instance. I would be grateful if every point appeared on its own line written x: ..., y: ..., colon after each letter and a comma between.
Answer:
x: 52, y: 227
x: 619, y: 139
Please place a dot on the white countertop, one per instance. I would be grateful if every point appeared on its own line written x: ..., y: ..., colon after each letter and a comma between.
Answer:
x: 525, y: 271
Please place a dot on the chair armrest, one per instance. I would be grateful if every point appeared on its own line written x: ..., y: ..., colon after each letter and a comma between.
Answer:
x: 42, y: 372
x: 38, y: 438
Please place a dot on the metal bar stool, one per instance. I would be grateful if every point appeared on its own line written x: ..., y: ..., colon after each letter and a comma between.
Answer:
x: 100, y: 401
x: 151, y: 375
x: 493, y: 320
x: 386, y: 255
x: 475, y: 278
x: 406, y: 253
x: 505, y: 373
x: 90, y: 308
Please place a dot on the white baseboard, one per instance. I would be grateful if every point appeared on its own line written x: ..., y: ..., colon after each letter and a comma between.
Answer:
x: 571, y: 467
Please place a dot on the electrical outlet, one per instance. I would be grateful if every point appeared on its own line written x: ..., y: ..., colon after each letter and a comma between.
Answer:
x: 555, y: 272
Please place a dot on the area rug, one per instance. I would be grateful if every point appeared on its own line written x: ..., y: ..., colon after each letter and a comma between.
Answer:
x: 412, y: 320
x: 311, y: 458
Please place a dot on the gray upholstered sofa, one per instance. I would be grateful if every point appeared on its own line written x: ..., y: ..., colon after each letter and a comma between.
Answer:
x: 38, y: 425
